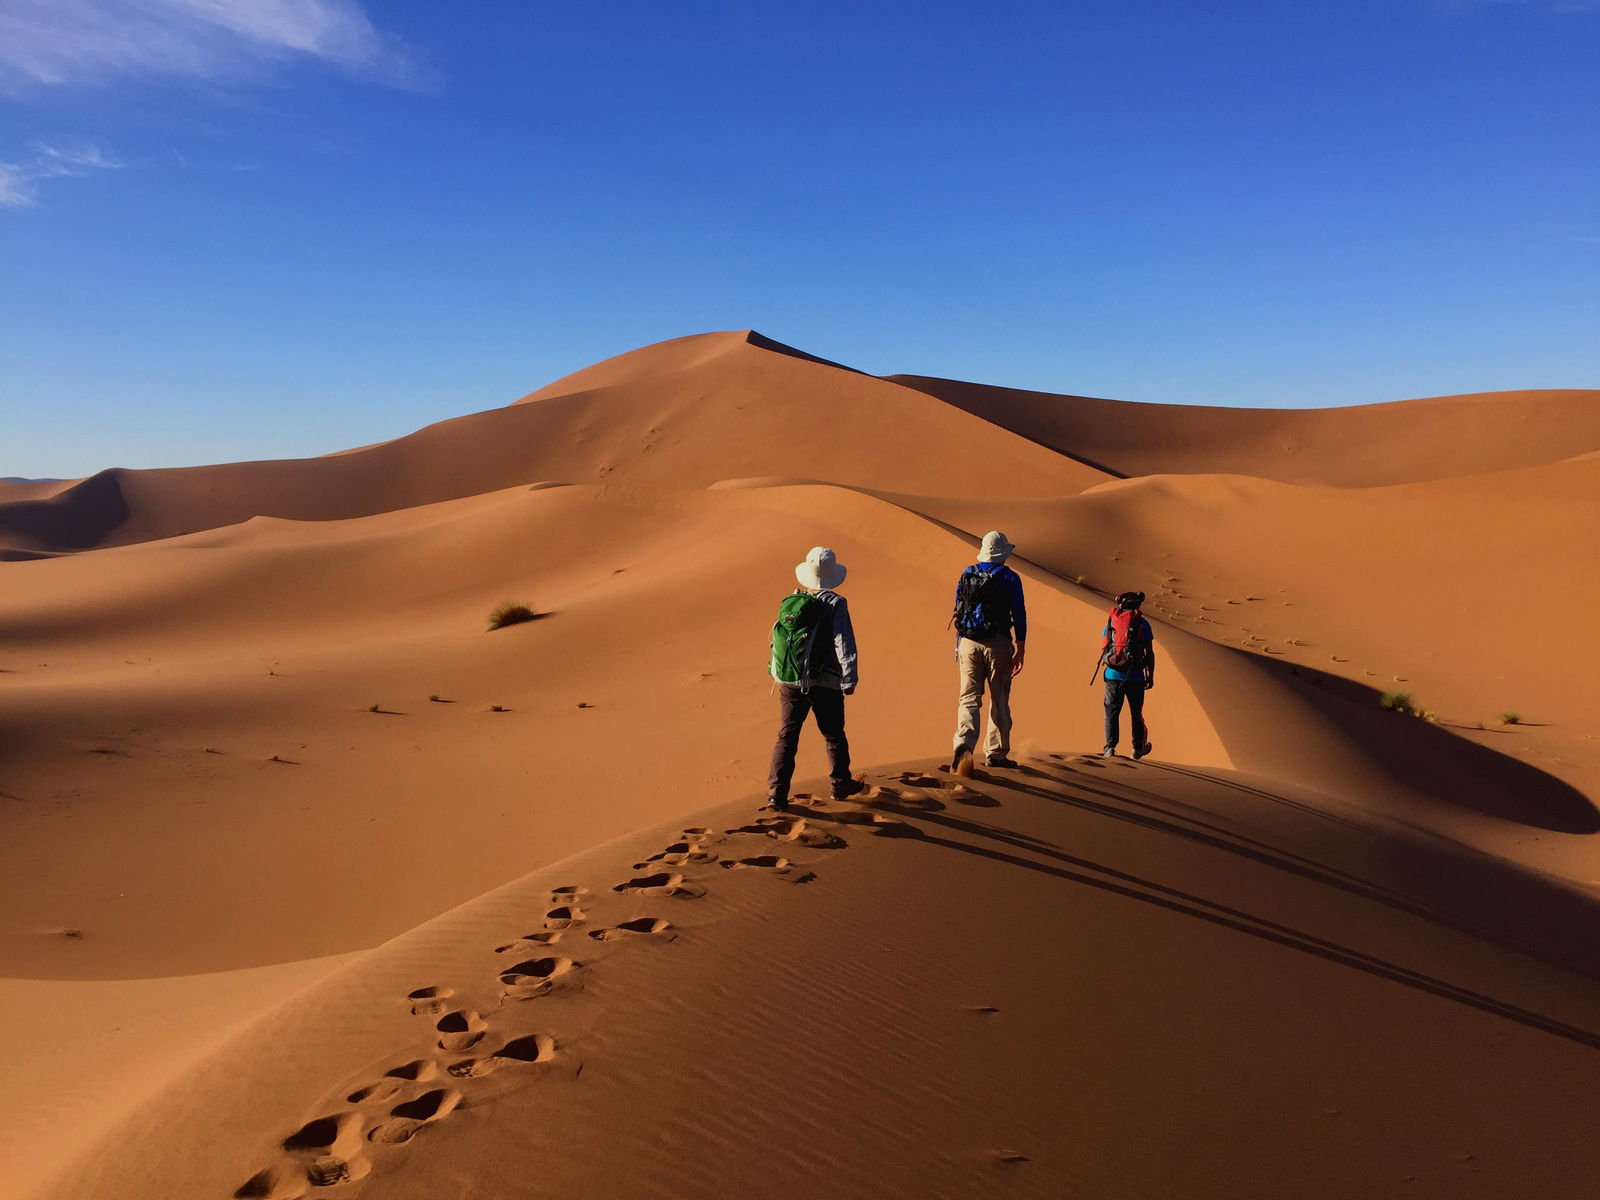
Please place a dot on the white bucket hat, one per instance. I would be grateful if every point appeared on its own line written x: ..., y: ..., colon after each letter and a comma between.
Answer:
x: 821, y: 569
x: 995, y: 547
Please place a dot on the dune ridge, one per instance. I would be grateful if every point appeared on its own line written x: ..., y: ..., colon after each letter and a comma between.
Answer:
x: 252, y: 724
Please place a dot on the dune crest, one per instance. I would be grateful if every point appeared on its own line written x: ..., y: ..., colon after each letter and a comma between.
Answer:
x: 259, y: 730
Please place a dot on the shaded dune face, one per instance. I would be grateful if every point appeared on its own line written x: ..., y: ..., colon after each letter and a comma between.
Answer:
x: 79, y: 517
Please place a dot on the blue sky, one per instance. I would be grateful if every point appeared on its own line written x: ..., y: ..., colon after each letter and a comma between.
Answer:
x: 269, y: 228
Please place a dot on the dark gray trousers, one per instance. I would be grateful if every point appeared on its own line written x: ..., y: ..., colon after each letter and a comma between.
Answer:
x: 1131, y: 690
x: 793, y: 706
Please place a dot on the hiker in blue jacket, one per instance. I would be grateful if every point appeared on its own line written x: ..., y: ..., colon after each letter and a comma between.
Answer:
x: 814, y: 666
x: 989, y: 609
x: 1129, y: 655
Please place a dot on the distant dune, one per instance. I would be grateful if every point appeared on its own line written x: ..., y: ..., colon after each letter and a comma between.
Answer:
x: 314, y: 883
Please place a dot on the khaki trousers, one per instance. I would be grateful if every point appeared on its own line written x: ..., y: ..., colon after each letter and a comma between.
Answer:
x: 985, y: 663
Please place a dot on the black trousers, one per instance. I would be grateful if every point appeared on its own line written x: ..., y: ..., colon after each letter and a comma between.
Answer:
x: 1131, y: 690
x: 793, y: 706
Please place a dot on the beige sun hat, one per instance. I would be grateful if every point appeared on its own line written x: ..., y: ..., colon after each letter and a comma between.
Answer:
x: 821, y: 569
x: 995, y: 548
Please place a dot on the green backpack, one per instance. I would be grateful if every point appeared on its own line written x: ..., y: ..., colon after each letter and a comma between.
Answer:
x: 794, y: 633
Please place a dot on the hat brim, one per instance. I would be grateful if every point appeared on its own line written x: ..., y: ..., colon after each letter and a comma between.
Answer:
x: 997, y: 554
x: 810, y: 577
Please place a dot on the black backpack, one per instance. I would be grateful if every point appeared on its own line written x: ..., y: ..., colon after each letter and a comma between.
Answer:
x: 983, y: 609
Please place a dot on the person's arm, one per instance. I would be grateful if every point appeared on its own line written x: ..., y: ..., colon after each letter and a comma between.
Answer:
x: 1150, y: 657
x: 844, y: 645
x: 1019, y: 623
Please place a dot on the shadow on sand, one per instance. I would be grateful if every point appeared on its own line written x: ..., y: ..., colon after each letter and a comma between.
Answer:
x: 971, y: 837
x: 1428, y: 759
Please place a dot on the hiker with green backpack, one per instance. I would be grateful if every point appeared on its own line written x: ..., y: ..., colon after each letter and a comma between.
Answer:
x: 814, y: 666
x: 989, y: 609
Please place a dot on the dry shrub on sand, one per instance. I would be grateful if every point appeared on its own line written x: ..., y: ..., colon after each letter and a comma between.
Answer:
x: 1511, y: 717
x: 1402, y: 703
x: 512, y: 612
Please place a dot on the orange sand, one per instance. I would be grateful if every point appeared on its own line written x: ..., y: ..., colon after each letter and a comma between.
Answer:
x: 1312, y: 948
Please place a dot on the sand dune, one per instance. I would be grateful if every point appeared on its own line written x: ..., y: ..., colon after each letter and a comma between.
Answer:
x: 684, y: 414
x: 255, y: 739
x: 1079, y: 979
x: 1359, y: 446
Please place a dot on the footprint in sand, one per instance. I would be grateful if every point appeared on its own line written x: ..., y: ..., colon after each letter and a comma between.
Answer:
x: 915, y: 801
x: 639, y: 927
x: 331, y: 1169
x: 564, y: 917
x: 460, y: 1030
x: 429, y: 1001
x: 340, y: 1133
x: 535, y: 977
x: 418, y: 1070
x: 783, y: 829
x: 572, y: 894
x: 821, y: 839
x: 406, y: 1119
x: 664, y: 883
x: 762, y: 862
x: 698, y: 833
x: 523, y: 1051
x: 677, y: 854
x: 275, y: 1183
x: 529, y: 942
x: 376, y: 1093
x: 887, y: 826
x: 332, y: 1145
x: 918, y: 779
x: 972, y: 799
x: 851, y: 817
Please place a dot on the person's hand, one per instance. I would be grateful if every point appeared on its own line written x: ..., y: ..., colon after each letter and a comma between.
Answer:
x: 1149, y: 680
x: 849, y: 691
x: 1016, y: 661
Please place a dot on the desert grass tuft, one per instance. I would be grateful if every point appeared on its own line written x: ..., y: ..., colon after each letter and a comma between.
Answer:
x: 512, y: 612
x: 1399, y: 702
x: 1511, y: 717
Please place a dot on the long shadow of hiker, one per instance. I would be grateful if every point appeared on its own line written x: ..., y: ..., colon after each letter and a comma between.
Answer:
x: 1488, y: 898
x: 1147, y: 891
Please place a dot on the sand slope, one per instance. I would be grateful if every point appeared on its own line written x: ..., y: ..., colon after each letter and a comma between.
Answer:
x: 1360, y: 446
x: 1079, y: 979
x: 252, y: 724
x: 684, y: 414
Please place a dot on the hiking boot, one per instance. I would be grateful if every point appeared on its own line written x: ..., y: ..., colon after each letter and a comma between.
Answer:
x: 1142, y: 750
x: 774, y: 805
x: 961, y: 761
x: 1109, y: 752
x: 843, y: 791
x: 999, y: 760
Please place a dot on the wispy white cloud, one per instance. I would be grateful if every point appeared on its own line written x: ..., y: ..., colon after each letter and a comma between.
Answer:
x: 61, y: 42
x: 19, y: 181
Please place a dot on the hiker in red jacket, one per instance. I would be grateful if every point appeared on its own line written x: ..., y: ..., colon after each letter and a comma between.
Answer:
x: 1129, y: 655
